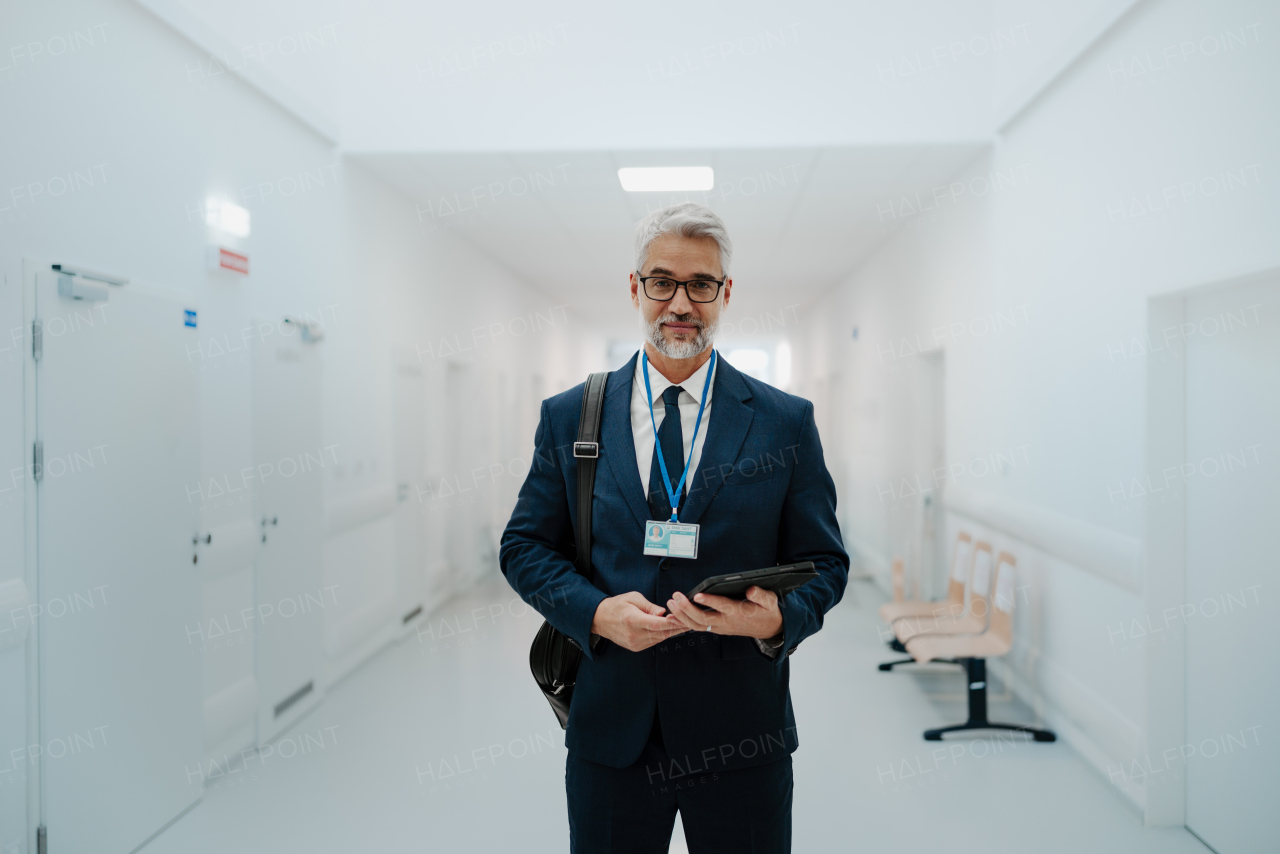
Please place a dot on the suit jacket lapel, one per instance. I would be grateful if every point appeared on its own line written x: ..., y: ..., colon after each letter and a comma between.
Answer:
x: 618, y: 445
x: 726, y: 431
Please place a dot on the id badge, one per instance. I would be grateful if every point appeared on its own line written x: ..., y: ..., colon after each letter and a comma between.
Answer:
x: 670, y: 539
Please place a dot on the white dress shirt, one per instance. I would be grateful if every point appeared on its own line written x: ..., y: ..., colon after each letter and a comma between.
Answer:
x: 642, y: 428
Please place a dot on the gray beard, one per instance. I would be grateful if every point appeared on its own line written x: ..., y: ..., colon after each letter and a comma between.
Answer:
x: 678, y: 350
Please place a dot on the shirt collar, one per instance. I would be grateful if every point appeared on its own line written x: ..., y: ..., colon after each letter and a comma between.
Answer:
x: 693, y: 385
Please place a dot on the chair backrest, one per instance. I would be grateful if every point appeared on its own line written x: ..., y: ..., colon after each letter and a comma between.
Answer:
x: 1001, y: 623
x: 980, y: 566
x: 959, y: 578
x: 911, y: 585
x: 897, y: 575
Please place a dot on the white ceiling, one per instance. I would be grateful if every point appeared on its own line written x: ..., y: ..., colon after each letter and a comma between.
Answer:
x: 800, y: 219
x: 558, y: 75
x: 815, y: 115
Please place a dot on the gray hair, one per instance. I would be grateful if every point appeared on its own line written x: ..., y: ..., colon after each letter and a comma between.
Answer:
x: 687, y: 219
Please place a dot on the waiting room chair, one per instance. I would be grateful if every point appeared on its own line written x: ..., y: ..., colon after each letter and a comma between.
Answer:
x: 898, y: 609
x: 953, y: 620
x: 973, y: 649
x: 897, y: 577
x: 910, y: 618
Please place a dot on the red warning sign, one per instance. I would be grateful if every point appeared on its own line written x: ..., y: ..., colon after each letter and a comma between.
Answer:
x: 225, y: 259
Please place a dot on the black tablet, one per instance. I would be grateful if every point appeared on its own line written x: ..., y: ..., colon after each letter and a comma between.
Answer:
x: 779, y: 579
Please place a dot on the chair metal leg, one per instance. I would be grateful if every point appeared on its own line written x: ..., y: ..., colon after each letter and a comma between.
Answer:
x: 976, y: 669
x: 896, y: 645
x: 889, y: 665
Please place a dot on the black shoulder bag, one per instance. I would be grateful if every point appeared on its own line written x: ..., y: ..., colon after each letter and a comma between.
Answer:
x: 554, y: 656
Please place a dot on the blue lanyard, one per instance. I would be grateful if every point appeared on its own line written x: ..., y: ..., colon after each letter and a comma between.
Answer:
x: 674, y: 494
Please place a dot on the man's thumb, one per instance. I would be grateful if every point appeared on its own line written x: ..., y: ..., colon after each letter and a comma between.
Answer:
x: 637, y: 599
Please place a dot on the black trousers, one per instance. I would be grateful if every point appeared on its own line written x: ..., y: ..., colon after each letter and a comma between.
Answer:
x: 633, y: 810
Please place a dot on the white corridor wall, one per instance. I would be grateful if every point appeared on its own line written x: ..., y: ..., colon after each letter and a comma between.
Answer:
x: 1148, y: 167
x: 142, y: 143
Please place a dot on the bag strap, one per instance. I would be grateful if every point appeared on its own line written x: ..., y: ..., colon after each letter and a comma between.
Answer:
x: 587, y: 451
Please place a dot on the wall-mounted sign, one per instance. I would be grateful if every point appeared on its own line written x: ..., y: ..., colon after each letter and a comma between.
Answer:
x: 224, y: 259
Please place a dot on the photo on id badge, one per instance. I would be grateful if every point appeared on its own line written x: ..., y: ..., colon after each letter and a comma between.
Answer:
x: 671, y: 539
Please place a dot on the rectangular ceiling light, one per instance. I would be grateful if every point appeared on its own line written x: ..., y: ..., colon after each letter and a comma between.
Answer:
x: 228, y: 217
x: 666, y: 179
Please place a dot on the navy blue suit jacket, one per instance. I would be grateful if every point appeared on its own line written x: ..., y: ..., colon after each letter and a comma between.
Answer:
x: 763, y: 497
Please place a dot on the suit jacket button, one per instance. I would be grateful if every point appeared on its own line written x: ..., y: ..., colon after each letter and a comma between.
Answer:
x: 665, y: 563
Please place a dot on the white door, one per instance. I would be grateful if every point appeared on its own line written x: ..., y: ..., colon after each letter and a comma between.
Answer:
x: 120, y: 705
x: 929, y: 455
x: 460, y: 505
x: 438, y: 461
x: 1232, y: 613
x: 410, y: 451
x: 909, y: 490
x: 291, y: 460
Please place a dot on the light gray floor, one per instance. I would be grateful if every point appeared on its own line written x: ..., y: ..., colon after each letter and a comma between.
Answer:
x: 443, y: 743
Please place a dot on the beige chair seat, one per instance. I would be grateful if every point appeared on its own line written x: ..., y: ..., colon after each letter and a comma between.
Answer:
x: 927, y: 647
x: 891, y: 611
x: 956, y: 620
x: 944, y: 624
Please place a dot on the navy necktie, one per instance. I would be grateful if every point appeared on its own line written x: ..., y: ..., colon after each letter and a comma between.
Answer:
x: 670, y: 440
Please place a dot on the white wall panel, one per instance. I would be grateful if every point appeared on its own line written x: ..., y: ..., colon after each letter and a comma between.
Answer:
x: 1230, y: 474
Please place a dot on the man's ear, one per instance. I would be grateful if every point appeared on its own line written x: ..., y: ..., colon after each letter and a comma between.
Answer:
x: 635, y: 294
x: 728, y: 286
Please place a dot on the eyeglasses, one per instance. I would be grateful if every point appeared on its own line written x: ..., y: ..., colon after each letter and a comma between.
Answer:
x: 662, y: 289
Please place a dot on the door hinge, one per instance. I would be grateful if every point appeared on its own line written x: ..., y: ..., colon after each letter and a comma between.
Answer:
x: 42, y: 840
x: 37, y: 460
x: 37, y: 340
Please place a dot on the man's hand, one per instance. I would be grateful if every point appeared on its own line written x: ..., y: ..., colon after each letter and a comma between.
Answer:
x: 633, y: 622
x: 757, y: 616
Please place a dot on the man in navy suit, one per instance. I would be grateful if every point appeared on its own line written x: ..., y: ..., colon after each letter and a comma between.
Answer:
x: 676, y: 708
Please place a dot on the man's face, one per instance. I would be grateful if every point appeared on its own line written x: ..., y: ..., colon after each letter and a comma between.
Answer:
x: 679, y: 323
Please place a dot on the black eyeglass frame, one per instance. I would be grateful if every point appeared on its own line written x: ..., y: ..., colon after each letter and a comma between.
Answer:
x: 644, y: 285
